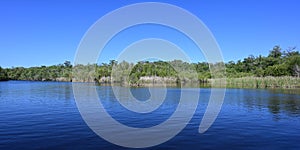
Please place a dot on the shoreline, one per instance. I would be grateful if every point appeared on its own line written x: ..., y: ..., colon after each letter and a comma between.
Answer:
x: 285, y: 82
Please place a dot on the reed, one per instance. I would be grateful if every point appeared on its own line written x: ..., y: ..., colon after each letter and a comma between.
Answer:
x: 287, y: 82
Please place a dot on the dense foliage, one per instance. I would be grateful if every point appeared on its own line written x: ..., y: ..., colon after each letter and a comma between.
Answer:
x: 277, y: 63
x: 3, y: 74
x: 61, y: 72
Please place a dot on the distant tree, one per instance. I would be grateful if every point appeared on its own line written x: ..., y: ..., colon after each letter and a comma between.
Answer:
x: 3, y: 74
x: 294, y: 65
x: 68, y: 64
x: 277, y: 63
x: 296, y: 70
x: 113, y: 62
x: 249, y: 63
x: 291, y: 51
x: 275, y: 52
x: 277, y: 70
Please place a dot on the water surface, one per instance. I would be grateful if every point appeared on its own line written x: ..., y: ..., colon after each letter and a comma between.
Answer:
x: 40, y: 115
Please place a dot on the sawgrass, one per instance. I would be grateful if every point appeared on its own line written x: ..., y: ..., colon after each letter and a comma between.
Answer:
x: 285, y: 82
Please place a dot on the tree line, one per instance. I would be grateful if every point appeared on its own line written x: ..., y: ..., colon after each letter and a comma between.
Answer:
x: 60, y: 72
x: 278, y: 63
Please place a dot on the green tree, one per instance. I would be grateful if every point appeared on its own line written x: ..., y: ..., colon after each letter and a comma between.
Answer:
x: 294, y: 65
x: 275, y: 52
x: 3, y: 74
x: 68, y: 64
x: 277, y: 70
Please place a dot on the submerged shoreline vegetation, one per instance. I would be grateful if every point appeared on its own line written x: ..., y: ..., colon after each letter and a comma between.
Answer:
x: 280, y: 69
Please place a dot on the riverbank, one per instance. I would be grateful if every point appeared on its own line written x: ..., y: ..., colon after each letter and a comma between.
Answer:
x: 285, y: 82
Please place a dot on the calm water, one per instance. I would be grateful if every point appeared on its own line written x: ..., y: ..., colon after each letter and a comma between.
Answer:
x: 40, y: 115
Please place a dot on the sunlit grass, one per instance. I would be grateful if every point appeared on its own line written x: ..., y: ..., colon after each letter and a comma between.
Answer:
x: 259, y: 82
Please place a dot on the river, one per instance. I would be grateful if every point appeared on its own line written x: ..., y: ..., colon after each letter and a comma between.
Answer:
x: 44, y: 115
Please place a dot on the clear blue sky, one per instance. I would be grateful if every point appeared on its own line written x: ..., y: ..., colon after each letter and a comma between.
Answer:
x: 47, y: 32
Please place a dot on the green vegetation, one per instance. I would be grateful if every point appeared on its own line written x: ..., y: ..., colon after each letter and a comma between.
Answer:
x: 61, y: 72
x: 3, y: 74
x: 278, y: 63
x: 261, y: 82
x: 280, y: 69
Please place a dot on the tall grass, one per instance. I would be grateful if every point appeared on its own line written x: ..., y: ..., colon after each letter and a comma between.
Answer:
x: 259, y: 82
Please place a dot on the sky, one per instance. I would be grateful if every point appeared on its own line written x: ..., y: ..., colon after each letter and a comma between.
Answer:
x: 48, y: 32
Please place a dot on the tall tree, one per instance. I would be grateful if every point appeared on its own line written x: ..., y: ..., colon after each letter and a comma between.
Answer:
x: 275, y: 52
x: 68, y: 64
x: 3, y: 74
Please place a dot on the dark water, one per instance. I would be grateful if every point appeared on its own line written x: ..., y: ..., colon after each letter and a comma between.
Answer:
x: 44, y: 115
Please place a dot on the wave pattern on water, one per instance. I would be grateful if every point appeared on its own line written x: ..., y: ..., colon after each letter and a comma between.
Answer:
x: 40, y: 115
